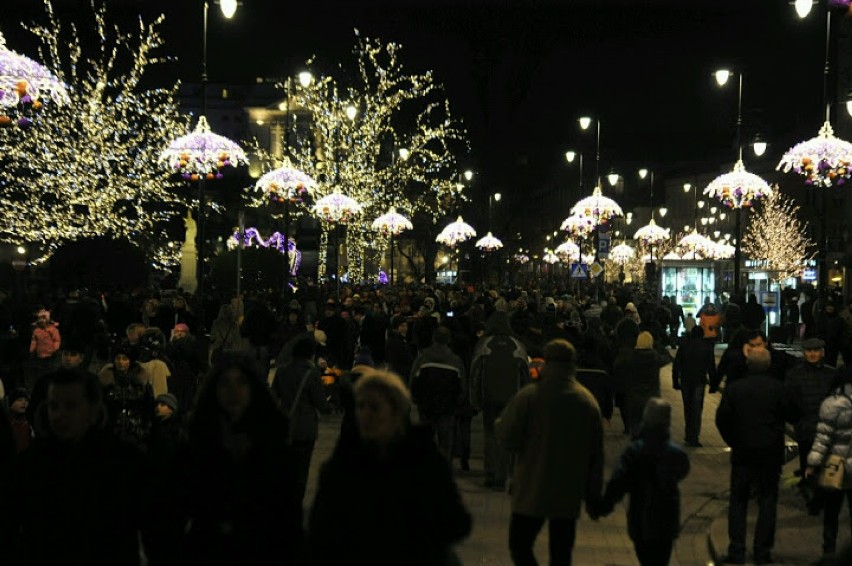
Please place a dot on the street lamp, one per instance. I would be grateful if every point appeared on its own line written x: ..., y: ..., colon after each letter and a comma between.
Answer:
x: 585, y: 122
x: 228, y: 7
x: 351, y: 112
x: 404, y: 153
x: 643, y: 173
x: 803, y: 7
x: 687, y: 187
x: 663, y: 211
x: 468, y: 175
x: 612, y: 178
x: 759, y: 145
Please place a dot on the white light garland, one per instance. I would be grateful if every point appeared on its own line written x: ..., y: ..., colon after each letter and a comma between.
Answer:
x: 825, y: 160
x: 337, y: 208
x: 651, y: 234
x: 392, y: 223
x: 489, y: 243
x: 568, y: 251
x: 456, y: 233
x: 622, y: 253
x: 201, y: 152
x: 739, y: 188
x: 597, y: 207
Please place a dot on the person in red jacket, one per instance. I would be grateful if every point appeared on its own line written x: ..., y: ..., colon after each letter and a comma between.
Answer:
x: 44, y: 344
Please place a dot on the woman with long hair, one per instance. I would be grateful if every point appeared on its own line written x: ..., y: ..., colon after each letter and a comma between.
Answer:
x: 243, y: 502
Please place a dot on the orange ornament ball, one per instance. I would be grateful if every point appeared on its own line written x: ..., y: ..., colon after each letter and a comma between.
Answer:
x: 194, y: 177
x: 220, y: 164
x: 806, y: 160
x: 210, y: 176
x: 22, y: 87
x: 37, y: 105
x: 5, y: 121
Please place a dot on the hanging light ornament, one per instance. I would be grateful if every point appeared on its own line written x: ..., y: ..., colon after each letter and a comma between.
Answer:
x: 521, y: 258
x: 392, y: 223
x: 671, y: 256
x: 202, y: 153
x: 695, y: 243
x: 825, y: 160
x: 621, y: 254
x: 578, y: 226
x: 550, y: 257
x: 597, y: 207
x: 286, y: 183
x: 489, y: 243
x: 651, y: 234
x: 739, y: 188
x: 568, y: 251
x: 25, y: 86
x: 337, y: 208
x: 455, y: 233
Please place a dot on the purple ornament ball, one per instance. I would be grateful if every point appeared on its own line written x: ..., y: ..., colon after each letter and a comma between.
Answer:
x: 24, y: 123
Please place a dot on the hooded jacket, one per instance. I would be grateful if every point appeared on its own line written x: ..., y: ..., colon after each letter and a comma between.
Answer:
x: 834, y: 431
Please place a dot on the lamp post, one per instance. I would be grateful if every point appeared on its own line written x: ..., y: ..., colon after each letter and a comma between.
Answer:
x: 585, y: 122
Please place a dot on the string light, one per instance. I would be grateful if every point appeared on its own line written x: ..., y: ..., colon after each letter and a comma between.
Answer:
x: 824, y: 161
x: 739, y: 188
x: 455, y: 233
x: 597, y: 207
x: 489, y: 243
x: 777, y: 237
x: 89, y: 168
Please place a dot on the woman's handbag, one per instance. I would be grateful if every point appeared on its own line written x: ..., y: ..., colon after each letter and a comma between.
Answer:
x: 832, y: 472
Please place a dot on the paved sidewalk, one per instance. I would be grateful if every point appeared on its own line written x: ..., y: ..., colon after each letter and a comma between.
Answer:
x: 605, y: 543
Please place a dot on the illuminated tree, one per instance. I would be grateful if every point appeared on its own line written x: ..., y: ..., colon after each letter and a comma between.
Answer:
x: 776, y: 237
x: 89, y: 168
x: 357, y: 126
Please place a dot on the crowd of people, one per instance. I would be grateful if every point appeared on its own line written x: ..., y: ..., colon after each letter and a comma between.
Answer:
x: 128, y: 421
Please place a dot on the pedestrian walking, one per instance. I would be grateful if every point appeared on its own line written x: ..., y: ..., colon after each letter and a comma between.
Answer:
x: 554, y: 428
x: 834, y: 438
x: 642, y: 367
x: 649, y: 470
x: 693, y: 364
x: 750, y: 419
x: 388, y: 497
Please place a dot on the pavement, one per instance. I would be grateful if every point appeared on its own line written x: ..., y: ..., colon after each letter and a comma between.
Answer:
x: 704, y: 503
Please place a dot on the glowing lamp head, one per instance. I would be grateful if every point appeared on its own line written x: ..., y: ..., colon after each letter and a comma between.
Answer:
x: 760, y: 147
x: 701, y: 204
x: 570, y: 156
x: 663, y: 211
x: 351, y: 112
x: 468, y: 175
x: 849, y: 106
x: 585, y: 122
x: 803, y: 7
x: 643, y: 173
x: 612, y: 178
x: 687, y: 187
x: 228, y: 7
x: 497, y: 197
x: 404, y: 154
x: 21, y: 250
x: 305, y: 78
x: 722, y: 76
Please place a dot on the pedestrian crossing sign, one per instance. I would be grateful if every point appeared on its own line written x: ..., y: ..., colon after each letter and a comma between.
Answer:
x: 579, y: 271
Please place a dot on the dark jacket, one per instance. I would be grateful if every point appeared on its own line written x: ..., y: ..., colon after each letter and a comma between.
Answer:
x: 649, y: 470
x: 598, y: 382
x: 805, y: 389
x: 694, y: 362
x: 402, y: 509
x: 500, y: 365
x: 642, y: 368
x: 305, y: 420
x: 74, y: 504
x: 750, y: 419
x: 399, y: 354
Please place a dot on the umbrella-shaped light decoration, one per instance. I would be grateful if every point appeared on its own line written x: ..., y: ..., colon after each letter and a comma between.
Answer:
x: 695, y: 243
x: 723, y: 250
x: 578, y: 226
x: 337, y: 208
x: 651, y: 234
x: 568, y: 251
x: 825, y: 160
x: 456, y: 233
x: 392, y: 223
x: 597, y: 207
x: 621, y: 254
x: 588, y: 259
x: 671, y: 256
x: 489, y: 243
x: 739, y: 188
x: 521, y: 258
x: 550, y: 257
x: 286, y: 183
x: 25, y: 86
x: 202, y: 154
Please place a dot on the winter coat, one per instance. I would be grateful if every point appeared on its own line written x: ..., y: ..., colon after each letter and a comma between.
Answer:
x: 694, y: 362
x: 599, y: 384
x: 74, y: 504
x: 834, y: 431
x: 129, y: 400
x: 753, y: 313
x: 750, y: 419
x: 806, y: 387
x: 500, y: 365
x: 642, y: 381
x: 437, y: 380
x: 225, y: 332
x: 45, y: 341
x: 649, y: 470
x: 305, y: 421
x: 554, y: 427
x: 404, y: 508
x: 398, y: 354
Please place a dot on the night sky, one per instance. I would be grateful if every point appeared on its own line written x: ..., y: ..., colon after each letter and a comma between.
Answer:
x: 520, y: 73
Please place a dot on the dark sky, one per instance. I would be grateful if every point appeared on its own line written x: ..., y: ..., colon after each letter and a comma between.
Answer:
x: 520, y: 73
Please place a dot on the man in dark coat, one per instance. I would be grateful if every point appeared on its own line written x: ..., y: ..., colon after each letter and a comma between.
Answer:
x: 335, y: 330
x: 807, y: 385
x: 693, y: 364
x: 371, y: 328
x: 750, y: 419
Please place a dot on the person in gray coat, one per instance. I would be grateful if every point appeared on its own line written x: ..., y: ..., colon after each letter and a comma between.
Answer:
x: 833, y: 437
x: 555, y: 429
x: 298, y: 387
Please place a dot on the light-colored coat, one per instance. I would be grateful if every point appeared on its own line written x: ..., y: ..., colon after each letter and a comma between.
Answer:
x: 555, y: 429
x: 834, y: 430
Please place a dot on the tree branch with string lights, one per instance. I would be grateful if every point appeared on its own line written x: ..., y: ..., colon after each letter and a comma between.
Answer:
x: 382, y: 136
x: 87, y: 168
x: 776, y: 237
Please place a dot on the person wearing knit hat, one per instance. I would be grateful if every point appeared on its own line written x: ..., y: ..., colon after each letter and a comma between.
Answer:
x: 18, y: 401
x: 557, y: 468
x: 649, y: 470
x: 638, y: 373
x: 165, y: 406
x: 631, y: 312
